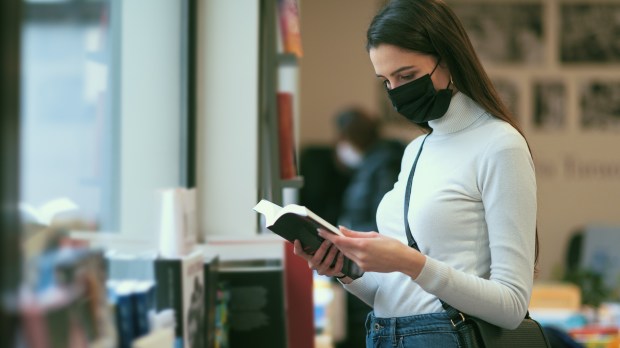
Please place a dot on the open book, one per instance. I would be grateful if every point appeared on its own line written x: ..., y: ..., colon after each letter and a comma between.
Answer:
x: 297, y: 222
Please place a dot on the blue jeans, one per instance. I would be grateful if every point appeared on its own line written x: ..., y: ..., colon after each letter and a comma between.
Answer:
x: 423, y: 330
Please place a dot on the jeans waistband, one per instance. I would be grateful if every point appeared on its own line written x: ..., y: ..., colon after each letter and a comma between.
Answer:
x: 431, y: 322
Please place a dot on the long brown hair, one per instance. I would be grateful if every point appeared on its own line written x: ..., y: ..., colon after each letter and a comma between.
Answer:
x: 431, y: 27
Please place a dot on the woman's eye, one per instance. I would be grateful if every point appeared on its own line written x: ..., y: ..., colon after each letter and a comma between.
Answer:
x: 406, y: 77
x: 386, y: 84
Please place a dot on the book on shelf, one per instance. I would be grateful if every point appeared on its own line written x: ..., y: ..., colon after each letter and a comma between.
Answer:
x: 288, y: 19
x: 211, y: 271
x: 222, y: 315
x: 181, y: 286
x: 134, y: 303
x: 253, y: 305
x: 286, y: 136
x: 298, y: 222
x: 124, y: 312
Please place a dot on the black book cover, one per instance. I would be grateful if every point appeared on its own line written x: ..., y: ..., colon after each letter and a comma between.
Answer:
x: 256, y: 308
x: 180, y: 287
x: 169, y: 289
x: 296, y: 222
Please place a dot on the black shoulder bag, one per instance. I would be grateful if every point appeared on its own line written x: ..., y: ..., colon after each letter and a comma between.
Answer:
x: 474, y: 332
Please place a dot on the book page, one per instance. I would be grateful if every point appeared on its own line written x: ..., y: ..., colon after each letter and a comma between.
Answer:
x: 268, y: 209
x: 273, y: 211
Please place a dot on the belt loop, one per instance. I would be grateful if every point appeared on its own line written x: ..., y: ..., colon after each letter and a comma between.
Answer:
x: 393, y: 331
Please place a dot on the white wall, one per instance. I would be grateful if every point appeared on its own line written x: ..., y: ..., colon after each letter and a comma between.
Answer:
x: 227, y: 174
x: 150, y: 65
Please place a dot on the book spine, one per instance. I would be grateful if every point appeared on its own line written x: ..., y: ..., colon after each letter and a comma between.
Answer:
x: 288, y: 15
x: 211, y: 279
x: 169, y: 290
x: 193, y: 301
x: 288, y: 166
x: 142, y: 307
x: 222, y: 324
x: 351, y: 269
x: 125, y: 320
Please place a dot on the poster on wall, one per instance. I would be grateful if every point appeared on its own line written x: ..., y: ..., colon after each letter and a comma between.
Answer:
x: 504, y: 32
x: 600, y: 104
x: 549, y: 105
x: 590, y: 33
x: 508, y: 90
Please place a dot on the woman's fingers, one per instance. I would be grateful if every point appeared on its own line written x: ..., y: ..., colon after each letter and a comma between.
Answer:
x: 299, y: 250
x: 325, y: 268
x: 320, y: 253
x: 326, y: 260
x: 354, y: 234
x: 339, y: 264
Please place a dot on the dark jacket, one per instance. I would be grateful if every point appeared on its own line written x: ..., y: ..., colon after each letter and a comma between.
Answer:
x: 370, y: 182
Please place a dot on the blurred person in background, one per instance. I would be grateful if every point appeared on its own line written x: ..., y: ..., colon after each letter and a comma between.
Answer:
x: 375, y: 164
x: 345, y: 183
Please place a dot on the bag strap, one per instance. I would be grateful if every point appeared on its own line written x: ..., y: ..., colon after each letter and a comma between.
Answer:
x: 455, y: 315
x: 452, y: 313
x: 410, y: 239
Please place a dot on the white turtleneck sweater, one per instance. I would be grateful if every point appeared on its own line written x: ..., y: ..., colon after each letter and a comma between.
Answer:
x: 473, y: 214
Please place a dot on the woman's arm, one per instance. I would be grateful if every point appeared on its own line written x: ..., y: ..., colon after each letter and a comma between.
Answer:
x: 508, y: 186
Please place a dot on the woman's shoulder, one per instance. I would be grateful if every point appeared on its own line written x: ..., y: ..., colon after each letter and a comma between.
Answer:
x: 501, y: 135
x: 412, y: 148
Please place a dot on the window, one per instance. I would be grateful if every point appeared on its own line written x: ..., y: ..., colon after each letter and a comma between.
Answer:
x: 104, y: 112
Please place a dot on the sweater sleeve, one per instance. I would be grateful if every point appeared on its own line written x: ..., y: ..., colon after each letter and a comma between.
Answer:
x: 507, y: 184
x: 364, y: 288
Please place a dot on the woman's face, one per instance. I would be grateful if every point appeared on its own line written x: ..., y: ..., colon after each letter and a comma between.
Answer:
x: 396, y: 66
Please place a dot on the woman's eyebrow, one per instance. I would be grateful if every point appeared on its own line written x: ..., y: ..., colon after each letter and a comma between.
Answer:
x: 398, y: 70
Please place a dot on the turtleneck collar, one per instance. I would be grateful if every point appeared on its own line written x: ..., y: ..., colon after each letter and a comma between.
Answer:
x: 462, y: 113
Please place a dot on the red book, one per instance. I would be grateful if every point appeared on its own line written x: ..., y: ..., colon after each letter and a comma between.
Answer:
x: 288, y: 166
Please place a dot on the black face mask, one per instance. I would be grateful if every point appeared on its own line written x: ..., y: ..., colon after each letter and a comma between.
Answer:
x: 418, y: 101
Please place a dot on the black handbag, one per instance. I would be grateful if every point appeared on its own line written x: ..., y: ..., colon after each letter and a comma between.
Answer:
x: 474, y: 332
x: 477, y: 333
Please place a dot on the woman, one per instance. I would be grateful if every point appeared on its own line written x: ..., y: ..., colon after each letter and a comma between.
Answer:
x: 472, y: 205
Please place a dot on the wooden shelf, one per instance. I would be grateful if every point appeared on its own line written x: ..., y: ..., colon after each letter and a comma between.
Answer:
x: 297, y: 182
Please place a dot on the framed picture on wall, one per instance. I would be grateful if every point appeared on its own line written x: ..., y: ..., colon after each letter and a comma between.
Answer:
x: 600, y: 104
x: 505, y: 32
x: 549, y: 99
x: 590, y: 32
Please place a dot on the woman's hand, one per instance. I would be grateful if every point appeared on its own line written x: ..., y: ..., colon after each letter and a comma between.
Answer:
x: 322, y: 259
x: 374, y: 252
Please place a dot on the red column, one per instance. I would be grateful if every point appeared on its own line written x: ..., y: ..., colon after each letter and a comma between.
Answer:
x: 299, y: 301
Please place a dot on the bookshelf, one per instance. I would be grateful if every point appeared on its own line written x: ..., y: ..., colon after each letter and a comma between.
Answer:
x: 278, y: 73
x: 244, y: 122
